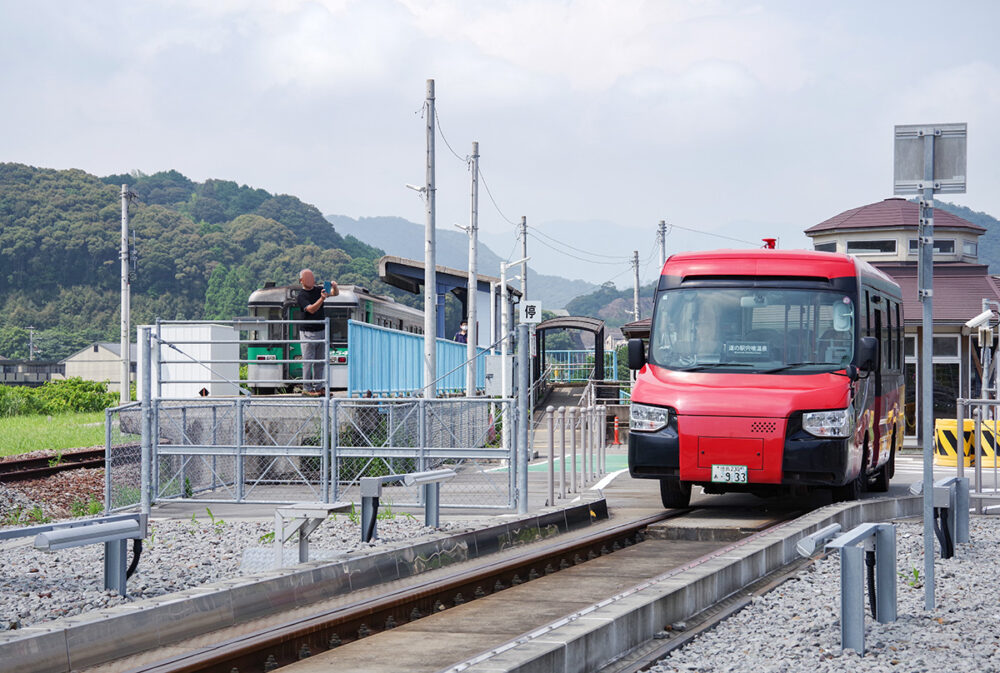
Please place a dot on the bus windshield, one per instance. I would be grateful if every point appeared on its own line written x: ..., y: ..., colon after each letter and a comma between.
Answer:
x: 761, y: 330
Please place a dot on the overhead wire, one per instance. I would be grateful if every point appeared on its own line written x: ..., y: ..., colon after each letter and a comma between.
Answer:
x: 580, y: 250
x: 437, y: 120
x: 582, y: 259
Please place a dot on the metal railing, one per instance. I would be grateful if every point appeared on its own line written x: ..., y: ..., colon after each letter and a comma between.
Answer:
x: 981, y: 411
x: 570, y: 366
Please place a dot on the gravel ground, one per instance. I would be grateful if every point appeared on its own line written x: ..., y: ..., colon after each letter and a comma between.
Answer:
x: 796, y: 627
x: 36, y: 586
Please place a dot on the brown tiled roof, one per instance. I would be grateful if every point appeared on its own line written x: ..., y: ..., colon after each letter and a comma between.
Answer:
x: 638, y: 329
x: 958, y: 291
x: 894, y: 213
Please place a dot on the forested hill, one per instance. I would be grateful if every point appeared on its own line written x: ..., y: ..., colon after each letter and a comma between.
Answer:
x: 201, y: 249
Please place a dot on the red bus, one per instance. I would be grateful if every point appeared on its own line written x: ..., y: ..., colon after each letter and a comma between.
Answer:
x: 768, y: 371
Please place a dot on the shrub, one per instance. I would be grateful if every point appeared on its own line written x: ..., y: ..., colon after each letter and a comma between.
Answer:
x: 54, y: 397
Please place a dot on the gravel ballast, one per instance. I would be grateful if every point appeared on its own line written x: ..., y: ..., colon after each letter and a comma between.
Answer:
x: 37, y: 587
x: 796, y: 627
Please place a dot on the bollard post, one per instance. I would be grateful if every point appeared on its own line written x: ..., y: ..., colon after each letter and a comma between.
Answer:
x: 562, y: 451
x: 550, y: 419
x: 572, y: 429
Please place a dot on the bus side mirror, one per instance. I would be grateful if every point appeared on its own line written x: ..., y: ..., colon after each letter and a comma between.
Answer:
x: 636, y: 354
x: 868, y: 353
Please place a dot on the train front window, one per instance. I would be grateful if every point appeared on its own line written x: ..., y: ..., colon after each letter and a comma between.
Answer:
x: 338, y: 324
x: 758, y: 330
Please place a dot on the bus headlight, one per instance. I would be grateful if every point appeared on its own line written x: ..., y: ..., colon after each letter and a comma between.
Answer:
x: 833, y: 423
x: 644, y: 418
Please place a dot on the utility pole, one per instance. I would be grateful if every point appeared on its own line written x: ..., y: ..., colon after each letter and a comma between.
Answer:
x: 473, y: 289
x: 430, y: 266
x: 524, y: 256
x: 661, y: 238
x: 635, y: 291
x: 126, y: 299
x: 31, y: 343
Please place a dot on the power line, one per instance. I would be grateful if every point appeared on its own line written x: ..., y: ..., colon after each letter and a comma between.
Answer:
x: 489, y: 193
x: 709, y: 233
x: 437, y: 119
x: 580, y: 250
x: 582, y: 259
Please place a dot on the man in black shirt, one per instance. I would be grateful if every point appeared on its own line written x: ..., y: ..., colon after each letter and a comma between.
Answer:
x: 311, y: 332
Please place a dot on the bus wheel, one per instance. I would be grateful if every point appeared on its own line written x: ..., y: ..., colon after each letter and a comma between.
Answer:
x: 880, y: 484
x: 850, y: 491
x: 674, y: 493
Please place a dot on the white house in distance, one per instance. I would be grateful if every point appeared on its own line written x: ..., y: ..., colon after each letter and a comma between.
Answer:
x: 100, y: 361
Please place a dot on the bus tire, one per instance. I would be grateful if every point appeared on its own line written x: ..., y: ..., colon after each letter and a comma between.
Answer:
x: 674, y: 493
x: 853, y: 489
x: 880, y: 484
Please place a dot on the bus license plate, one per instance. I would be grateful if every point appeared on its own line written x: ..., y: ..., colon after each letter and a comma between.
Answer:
x: 730, y: 474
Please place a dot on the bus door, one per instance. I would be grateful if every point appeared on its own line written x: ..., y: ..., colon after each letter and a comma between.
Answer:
x: 879, y: 328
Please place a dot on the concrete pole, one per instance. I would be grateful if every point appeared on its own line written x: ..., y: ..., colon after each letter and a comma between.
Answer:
x: 430, y: 265
x: 523, y: 386
x: 126, y: 300
x: 635, y: 284
x: 524, y: 256
x: 31, y: 343
x: 473, y: 289
x: 661, y: 236
x: 504, y: 331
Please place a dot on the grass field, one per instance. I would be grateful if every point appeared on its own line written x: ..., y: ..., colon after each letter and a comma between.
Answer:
x: 20, y: 434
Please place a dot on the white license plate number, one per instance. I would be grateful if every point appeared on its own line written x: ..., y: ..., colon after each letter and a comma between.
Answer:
x: 729, y: 474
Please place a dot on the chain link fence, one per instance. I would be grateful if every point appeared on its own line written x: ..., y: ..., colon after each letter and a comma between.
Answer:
x: 122, y: 457
x: 268, y: 450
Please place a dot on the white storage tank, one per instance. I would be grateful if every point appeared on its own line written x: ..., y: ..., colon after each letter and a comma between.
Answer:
x: 196, y: 363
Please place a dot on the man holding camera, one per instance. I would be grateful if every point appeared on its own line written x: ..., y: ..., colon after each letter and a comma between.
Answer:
x: 312, y: 331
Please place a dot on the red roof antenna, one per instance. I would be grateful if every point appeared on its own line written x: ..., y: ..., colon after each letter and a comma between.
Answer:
x: 769, y: 243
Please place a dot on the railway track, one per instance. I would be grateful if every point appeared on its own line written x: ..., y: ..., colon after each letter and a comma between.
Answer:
x: 317, y: 641
x: 37, y: 468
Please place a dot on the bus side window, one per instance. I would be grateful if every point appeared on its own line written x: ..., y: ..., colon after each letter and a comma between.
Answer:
x: 890, y: 343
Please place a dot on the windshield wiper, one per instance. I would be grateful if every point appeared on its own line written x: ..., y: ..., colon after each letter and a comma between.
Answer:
x: 792, y: 365
x: 713, y: 365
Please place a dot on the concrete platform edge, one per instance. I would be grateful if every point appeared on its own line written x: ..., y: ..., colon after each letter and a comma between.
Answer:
x: 89, y: 639
x: 598, y: 638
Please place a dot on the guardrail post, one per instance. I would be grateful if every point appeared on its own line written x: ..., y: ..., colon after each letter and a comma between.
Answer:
x: 550, y: 419
x: 878, y: 539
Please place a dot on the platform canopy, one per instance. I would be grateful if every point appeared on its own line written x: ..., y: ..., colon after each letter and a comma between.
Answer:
x: 408, y: 274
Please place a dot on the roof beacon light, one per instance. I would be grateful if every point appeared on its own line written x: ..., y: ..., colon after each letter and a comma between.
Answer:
x: 769, y: 243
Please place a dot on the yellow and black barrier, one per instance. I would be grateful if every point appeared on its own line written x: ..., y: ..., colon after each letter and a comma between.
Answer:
x: 946, y: 442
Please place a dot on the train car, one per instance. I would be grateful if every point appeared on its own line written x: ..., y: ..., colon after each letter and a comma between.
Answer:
x: 768, y: 371
x: 352, y: 303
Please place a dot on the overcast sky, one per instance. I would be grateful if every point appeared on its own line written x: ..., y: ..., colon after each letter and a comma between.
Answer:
x: 741, y: 119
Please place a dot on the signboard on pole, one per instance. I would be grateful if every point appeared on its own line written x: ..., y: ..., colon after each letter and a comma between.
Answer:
x: 909, y: 174
x: 531, y: 312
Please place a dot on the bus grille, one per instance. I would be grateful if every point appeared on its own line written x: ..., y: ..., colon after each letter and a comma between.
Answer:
x: 766, y: 427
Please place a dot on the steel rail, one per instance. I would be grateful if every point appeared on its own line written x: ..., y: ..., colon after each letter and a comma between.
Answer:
x: 36, y: 468
x: 292, y: 641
